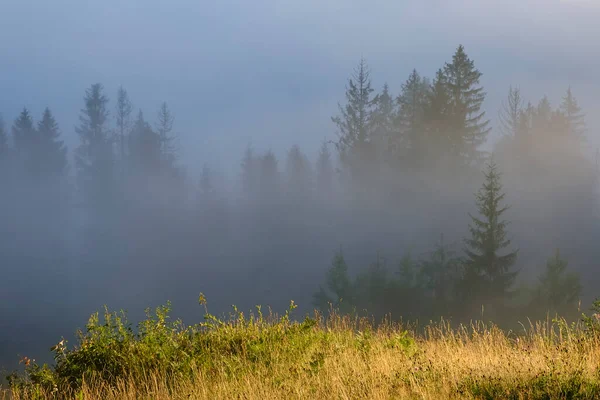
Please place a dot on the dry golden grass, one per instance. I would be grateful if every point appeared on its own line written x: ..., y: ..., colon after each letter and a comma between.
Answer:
x: 546, y: 361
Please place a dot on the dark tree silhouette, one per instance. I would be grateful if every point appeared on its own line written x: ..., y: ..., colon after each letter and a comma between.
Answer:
x: 487, y: 273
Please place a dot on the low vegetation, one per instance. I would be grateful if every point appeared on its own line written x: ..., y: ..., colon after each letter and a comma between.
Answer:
x: 258, y: 356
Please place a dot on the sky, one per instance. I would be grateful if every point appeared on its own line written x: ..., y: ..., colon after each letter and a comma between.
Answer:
x: 271, y: 72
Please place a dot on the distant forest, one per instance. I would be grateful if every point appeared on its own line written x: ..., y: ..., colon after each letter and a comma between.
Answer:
x: 402, y: 212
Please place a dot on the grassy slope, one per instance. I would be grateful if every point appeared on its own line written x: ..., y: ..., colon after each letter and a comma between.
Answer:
x: 333, y: 358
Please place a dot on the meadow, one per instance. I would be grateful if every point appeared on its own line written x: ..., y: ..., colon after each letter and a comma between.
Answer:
x: 259, y: 355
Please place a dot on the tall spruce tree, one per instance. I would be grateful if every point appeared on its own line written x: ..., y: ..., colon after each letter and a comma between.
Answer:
x: 354, y: 121
x: 412, y: 103
x: 144, y: 148
x: 511, y: 112
x: 164, y: 127
x: 299, y: 176
x: 439, y: 274
x: 558, y: 288
x: 24, y: 133
x: 123, y: 111
x: 525, y: 121
x: 94, y: 155
x: 487, y: 272
x: 541, y: 116
x: 437, y: 112
x: 249, y: 174
x: 468, y: 127
x: 575, y: 117
x: 338, y: 292
x: 27, y: 144
x: 382, y: 130
x: 52, y: 157
x: 269, y: 179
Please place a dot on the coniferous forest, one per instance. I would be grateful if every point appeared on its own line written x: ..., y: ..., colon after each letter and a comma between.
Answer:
x: 408, y: 210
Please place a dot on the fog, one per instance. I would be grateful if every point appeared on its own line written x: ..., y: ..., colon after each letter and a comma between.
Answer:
x: 250, y: 194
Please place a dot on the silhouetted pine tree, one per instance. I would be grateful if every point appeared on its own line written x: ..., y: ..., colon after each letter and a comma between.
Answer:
x: 467, y: 125
x: 572, y: 111
x: 439, y: 275
x: 437, y: 114
x: 144, y: 148
x: 123, y: 111
x: 487, y: 273
x: 383, y: 128
x: 249, y: 174
x: 299, y: 176
x: 94, y: 156
x: 354, y: 121
x: 413, y: 101
x: 558, y: 289
x: 540, y: 119
x: 371, y: 289
x: 269, y: 179
x: 52, y: 157
x: 164, y: 127
x: 338, y: 292
x: 525, y: 121
x: 24, y: 133
x: 27, y: 145
x: 511, y: 113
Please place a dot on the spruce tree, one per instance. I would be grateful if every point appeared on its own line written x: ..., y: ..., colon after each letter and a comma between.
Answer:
x: 511, y: 113
x: 144, y: 148
x: 164, y: 127
x: 338, y: 291
x: 299, y: 176
x: 24, y: 134
x: 370, y: 289
x: 269, y: 179
x: 558, y: 288
x: 354, y: 121
x: 541, y: 116
x: 383, y: 129
x: 525, y: 121
x: 27, y: 145
x: 468, y: 127
x: 575, y: 117
x: 437, y: 113
x: 439, y: 274
x: 249, y: 173
x: 94, y: 156
x: 52, y: 157
x: 123, y: 112
x: 487, y: 271
x: 412, y: 103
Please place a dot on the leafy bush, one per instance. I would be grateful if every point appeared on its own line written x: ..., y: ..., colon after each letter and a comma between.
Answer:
x: 592, y: 322
x: 110, y: 350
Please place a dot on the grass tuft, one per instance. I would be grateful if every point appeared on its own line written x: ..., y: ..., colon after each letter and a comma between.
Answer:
x: 254, y: 356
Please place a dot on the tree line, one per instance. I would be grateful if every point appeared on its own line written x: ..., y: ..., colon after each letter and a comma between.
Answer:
x: 398, y: 172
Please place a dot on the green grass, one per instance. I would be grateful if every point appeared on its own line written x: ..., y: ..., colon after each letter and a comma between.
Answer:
x: 262, y: 357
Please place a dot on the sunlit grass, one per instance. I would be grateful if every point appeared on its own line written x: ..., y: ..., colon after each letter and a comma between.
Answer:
x: 333, y: 357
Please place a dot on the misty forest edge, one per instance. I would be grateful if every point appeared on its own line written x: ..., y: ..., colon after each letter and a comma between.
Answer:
x: 415, y: 148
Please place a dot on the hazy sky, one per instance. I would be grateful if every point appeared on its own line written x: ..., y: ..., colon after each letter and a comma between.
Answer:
x: 272, y: 71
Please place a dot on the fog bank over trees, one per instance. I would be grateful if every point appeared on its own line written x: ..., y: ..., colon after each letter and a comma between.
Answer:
x: 407, y: 208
